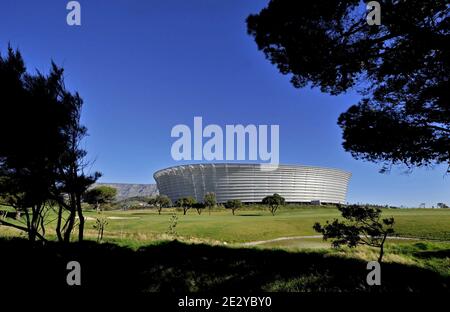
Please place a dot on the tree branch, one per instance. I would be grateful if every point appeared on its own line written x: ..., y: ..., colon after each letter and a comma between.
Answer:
x: 439, y: 128
x: 18, y: 227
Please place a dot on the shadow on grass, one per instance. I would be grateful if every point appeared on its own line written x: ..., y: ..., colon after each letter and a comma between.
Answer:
x: 433, y: 254
x: 175, y: 266
x: 249, y: 215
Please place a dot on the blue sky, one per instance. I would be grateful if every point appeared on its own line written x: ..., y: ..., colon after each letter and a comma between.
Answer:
x: 144, y: 66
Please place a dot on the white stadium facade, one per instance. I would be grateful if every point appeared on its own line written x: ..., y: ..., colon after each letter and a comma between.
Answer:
x: 250, y: 183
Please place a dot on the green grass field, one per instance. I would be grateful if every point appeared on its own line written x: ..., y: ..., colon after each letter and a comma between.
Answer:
x: 251, y: 225
x: 422, y: 247
x: 256, y: 225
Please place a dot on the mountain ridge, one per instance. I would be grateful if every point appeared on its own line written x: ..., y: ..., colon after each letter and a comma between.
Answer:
x: 127, y: 190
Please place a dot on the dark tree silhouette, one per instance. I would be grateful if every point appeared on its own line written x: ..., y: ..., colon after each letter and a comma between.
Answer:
x: 30, y: 141
x: 401, y: 68
x: 40, y: 158
x: 362, y: 226
x: 72, y: 182
x: 199, y: 207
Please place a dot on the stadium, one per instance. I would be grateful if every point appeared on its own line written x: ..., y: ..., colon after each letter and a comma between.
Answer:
x: 250, y: 183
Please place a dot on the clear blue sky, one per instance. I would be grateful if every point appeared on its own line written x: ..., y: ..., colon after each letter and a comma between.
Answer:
x: 144, y: 66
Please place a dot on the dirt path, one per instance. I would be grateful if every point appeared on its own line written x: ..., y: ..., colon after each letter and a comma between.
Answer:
x: 306, y: 237
x: 111, y: 218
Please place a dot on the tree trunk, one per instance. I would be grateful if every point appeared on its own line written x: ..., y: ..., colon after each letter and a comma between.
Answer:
x: 32, y: 236
x: 101, y: 233
x: 34, y: 224
x: 71, y: 220
x: 58, y: 224
x: 81, y: 219
x: 69, y: 227
x: 31, y: 228
x: 380, y: 258
x: 273, y: 210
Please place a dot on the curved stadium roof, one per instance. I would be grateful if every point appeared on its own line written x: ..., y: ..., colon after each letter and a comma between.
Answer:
x: 251, y: 183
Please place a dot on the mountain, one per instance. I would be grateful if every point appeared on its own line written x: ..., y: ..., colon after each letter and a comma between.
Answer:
x: 126, y: 190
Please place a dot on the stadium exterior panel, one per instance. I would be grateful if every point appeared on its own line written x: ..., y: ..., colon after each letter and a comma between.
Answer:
x: 250, y: 183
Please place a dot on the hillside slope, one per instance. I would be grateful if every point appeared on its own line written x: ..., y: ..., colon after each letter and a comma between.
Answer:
x: 126, y: 190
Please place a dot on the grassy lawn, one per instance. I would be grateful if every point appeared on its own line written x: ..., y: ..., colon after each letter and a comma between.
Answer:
x: 255, y: 225
x: 143, y: 255
x: 250, y: 225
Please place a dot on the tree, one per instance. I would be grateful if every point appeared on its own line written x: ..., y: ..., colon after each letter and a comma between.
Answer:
x: 100, y: 195
x: 233, y: 204
x: 210, y: 200
x: 161, y: 201
x: 30, y: 141
x: 199, y: 207
x: 100, y: 224
x: 172, y: 229
x: 400, y: 68
x: 273, y: 201
x: 40, y: 136
x: 186, y: 203
x: 442, y: 205
x: 363, y: 225
x: 152, y: 201
x: 72, y: 182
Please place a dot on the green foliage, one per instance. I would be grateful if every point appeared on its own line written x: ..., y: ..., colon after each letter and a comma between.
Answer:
x: 172, y: 230
x: 400, y: 68
x: 362, y: 226
x: 160, y: 201
x: 135, y: 202
x: 100, y: 195
x: 186, y: 203
x: 100, y: 224
x: 233, y: 204
x: 209, y: 200
x: 163, y: 201
x: 273, y: 201
x: 199, y: 207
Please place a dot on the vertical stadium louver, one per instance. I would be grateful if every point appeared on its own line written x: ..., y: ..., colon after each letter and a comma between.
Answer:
x: 249, y: 183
